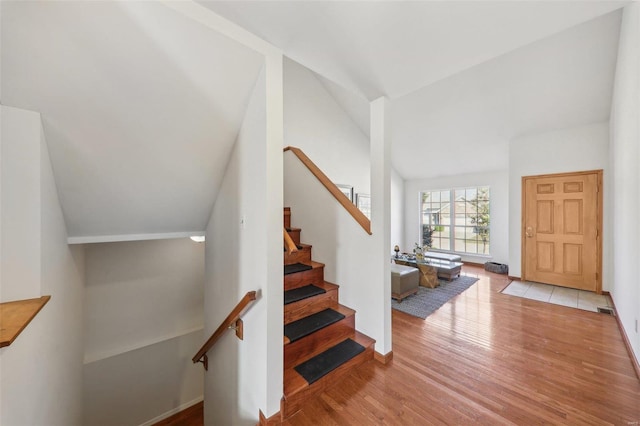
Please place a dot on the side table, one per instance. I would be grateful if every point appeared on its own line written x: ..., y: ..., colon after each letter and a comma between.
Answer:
x: 428, y: 275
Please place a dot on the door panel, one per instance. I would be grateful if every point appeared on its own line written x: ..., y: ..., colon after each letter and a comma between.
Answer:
x: 561, y: 222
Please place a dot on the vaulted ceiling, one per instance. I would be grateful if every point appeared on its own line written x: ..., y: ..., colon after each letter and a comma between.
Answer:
x: 392, y: 48
x: 140, y: 107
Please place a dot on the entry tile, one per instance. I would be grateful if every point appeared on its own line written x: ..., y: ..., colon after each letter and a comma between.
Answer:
x: 517, y: 288
x: 541, y: 292
x: 565, y: 297
x: 569, y: 297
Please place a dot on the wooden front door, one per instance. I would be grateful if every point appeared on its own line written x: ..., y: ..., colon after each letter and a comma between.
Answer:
x: 562, y: 218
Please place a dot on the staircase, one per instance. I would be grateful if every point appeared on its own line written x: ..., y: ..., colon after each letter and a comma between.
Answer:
x: 321, y: 344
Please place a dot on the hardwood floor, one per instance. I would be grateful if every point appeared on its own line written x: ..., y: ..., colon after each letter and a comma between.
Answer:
x: 489, y: 358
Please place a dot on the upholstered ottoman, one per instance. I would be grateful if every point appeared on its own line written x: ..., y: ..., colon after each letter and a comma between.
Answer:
x: 404, y: 281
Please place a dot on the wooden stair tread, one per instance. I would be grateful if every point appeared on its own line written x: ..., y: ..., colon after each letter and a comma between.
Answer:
x: 302, y: 293
x: 341, y: 309
x: 324, y: 363
x: 296, y: 268
x: 313, y: 276
x: 329, y: 299
x: 326, y: 286
x: 315, y: 322
x: 294, y: 383
x: 314, y: 264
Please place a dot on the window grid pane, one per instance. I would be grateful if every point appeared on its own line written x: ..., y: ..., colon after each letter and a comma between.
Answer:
x: 468, y: 209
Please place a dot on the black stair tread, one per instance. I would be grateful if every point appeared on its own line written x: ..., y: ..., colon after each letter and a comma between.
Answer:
x: 322, y: 364
x: 303, y: 327
x: 296, y: 267
x: 294, y: 382
x: 301, y: 293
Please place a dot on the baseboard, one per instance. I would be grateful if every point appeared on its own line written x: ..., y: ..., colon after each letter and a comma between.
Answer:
x: 467, y: 263
x: 383, y: 359
x: 513, y: 278
x: 173, y: 411
x: 625, y: 339
x: 273, y: 420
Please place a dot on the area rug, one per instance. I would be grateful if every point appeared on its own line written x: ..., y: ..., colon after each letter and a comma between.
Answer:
x: 427, y: 300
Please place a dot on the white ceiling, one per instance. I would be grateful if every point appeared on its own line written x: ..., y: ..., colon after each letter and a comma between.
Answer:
x: 463, y: 124
x: 140, y: 108
x: 393, y: 48
x: 141, y: 105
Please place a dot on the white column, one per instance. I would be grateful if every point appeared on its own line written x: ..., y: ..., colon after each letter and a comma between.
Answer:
x: 274, y: 188
x: 381, y: 214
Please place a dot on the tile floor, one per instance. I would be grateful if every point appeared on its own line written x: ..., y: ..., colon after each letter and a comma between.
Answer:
x: 570, y: 297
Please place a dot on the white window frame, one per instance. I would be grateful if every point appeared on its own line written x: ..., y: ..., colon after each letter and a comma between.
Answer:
x: 452, y: 225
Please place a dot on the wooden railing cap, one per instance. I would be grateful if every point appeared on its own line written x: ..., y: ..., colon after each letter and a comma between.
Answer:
x: 332, y: 188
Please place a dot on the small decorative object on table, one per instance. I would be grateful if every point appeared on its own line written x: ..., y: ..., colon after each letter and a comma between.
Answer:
x: 397, y: 250
x: 418, y: 251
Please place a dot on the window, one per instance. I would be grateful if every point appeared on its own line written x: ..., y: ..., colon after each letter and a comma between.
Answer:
x: 459, y: 219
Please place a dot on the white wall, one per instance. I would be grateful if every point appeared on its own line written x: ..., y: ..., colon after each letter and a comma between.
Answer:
x: 315, y: 123
x: 246, y: 376
x: 21, y: 204
x: 41, y: 378
x: 625, y: 180
x: 143, y: 323
x: 566, y: 150
x: 397, y: 210
x: 497, y: 180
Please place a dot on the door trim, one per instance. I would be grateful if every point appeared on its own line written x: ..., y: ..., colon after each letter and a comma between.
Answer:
x: 599, y: 200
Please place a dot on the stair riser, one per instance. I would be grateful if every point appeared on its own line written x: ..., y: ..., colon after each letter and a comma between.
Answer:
x: 303, y: 308
x: 300, y: 279
x: 306, y: 307
x: 293, y: 403
x: 301, y: 256
x: 287, y: 217
x: 295, y: 236
x: 301, y: 350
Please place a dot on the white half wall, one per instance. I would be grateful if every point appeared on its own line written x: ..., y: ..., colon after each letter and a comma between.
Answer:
x: 41, y: 381
x: 499, y: 209
x: 317, y: 124
x: 143, y: 385
x: 625, y: 180
x: 559, y: 151
x: 143, y: 323
x: 245, y: 376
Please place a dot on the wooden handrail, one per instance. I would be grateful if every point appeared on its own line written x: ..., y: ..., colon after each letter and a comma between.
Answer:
x: 229, y: 321
x: 288, y: 242
x: 333, y: 189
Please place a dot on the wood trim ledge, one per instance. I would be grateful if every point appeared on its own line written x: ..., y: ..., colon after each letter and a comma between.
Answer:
x: 16, y: 315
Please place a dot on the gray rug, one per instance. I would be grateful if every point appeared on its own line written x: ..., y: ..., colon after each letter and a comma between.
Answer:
x: 427, y: 300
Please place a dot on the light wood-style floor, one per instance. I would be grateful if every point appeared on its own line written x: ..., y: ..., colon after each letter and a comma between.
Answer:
x: 489, y: 358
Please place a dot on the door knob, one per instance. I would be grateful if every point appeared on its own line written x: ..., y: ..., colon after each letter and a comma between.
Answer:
x: 529, y: 232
